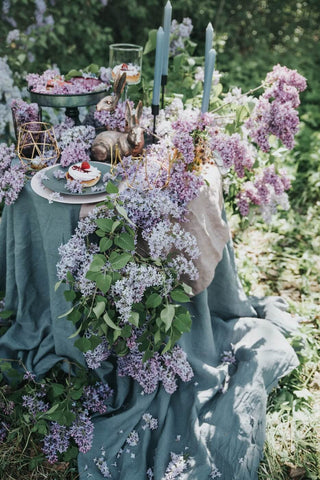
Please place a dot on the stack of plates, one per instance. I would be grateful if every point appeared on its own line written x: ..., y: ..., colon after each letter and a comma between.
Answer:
x: 45, y: 184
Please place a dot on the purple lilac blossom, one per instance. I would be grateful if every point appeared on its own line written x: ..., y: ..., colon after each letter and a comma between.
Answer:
x: 150, y: 422
x: 133, y: 439
x: 113, y: 120
x: 215, y: 472
x: 82, y: 431
x: 35, y: 404
x: 94, y: 397
x: 95, y: 357
x: 102, y: 466
x: 130, y: 289
x: 12, y: 178
x: 176, y: 467
x: 179, y: 32
x: 56, y: 441
x: 275, y: 112
x: 160, y: 368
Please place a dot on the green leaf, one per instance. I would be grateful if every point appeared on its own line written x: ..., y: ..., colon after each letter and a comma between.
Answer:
x: 83, y: 344
x: 105, y: 224
x: 57, y: 389
x: 67, y: 313
x: 76, y: 394
x: 124, y: 241
x: 111, y: 187
x: 115, y: 225
x: 110, y: 323
x: 123, y: 212
x: 57, y: 285
x: 119, y: 260
x: 151, y: 42
x: 134, y: 318
x: 153, y: 301
x: 98, y: 309
x: 168, y: 346
x: 103, y: 282
x: 105, y: 243
x: 97, y: 263
x: 126, y: 331
x: 178, y: 295
x: 187, y: 288
x: 183, y: 322
x: 73, y: 73
x: 167, y: 315
x: 74, y: 316
x: 70, y: 454
x: 6, y: 314
x: 69, y: 295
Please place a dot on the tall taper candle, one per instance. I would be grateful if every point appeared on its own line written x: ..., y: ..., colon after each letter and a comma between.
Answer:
x: 208, y: 46
x: 208, y: 80
x: 158, y: 68
x: 166, y: 38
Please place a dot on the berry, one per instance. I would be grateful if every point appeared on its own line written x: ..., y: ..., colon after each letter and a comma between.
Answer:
x: 85, y: 166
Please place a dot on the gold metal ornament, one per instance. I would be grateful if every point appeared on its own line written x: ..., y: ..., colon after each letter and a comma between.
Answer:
x: 37, y: 146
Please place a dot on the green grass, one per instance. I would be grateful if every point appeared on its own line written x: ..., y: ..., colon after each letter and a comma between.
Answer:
x: 284, y: 259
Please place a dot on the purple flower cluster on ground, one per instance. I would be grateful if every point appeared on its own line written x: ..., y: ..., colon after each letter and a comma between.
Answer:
x: 58, y: 439
x: 275, y: 112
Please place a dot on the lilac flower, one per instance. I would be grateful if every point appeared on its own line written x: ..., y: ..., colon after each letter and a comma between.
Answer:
x: 150, y: 474
x: 133, y: 439
x: 7, y: 407
x: 214, y: 472
x: 81, y: 431
x: 29, y: 376
x: 34, y: 403
x: 233, y: 151
x: 74, y: 186
x: 95, y: 397
x: 177, y: 465
x: 95, y: 357
x: 180, y: 32
x: 228, y: 357
x: 56, y: 441
x: 131, y: 288
x: 102, y: 466
x: 274, y: 113
x: 115, y: 120
x: 12, y: 178
x: 150, y: 422
x: 160, y: 368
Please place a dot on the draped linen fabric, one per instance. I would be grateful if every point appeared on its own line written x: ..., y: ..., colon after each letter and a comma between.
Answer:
x: 216, y: 420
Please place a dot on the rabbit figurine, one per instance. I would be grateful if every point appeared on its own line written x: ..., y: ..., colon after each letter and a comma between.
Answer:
x: 110, y: 102
x: 106, y: 144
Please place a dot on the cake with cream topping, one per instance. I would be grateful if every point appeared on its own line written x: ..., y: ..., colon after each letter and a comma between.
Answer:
x: 132, y: 71
x: 84, y: 173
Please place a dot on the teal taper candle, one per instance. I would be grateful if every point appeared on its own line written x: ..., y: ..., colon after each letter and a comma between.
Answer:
x: 208, y: 80
x: 158, y: 68
x: 208, y: 45
x: 166, y: 39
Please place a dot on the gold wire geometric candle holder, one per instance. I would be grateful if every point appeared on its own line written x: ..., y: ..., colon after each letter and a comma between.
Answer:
x: 37, y: 146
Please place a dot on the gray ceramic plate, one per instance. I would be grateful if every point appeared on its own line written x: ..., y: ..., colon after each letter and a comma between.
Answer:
x: 58, y: 185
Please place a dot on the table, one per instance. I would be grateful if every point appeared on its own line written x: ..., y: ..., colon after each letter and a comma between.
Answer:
x: 217, y: 419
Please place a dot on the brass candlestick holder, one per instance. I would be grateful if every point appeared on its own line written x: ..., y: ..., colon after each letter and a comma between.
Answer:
x: 37, y: 146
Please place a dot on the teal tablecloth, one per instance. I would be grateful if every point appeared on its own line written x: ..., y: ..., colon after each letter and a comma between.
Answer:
x: 217, y: 420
